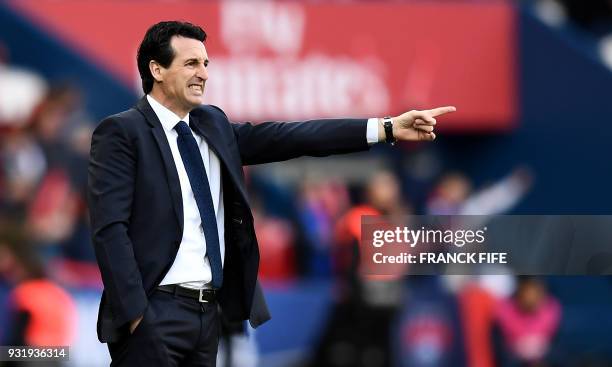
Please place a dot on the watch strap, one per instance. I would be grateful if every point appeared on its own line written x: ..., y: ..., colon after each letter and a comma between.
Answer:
x: 388, y: 125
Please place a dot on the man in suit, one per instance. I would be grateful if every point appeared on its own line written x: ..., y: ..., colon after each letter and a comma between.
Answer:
x: 171, y: 224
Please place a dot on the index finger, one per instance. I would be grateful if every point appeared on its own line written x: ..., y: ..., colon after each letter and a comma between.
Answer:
x: 442, y: 110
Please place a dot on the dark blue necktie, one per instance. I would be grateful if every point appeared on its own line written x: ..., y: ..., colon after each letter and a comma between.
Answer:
x: 192, y: 159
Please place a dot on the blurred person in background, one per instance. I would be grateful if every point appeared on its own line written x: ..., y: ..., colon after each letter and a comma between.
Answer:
x: 40, y: 312
x: 21, y: 90
x: 321, y: 203
x: 454, y: 195
x: 23, y: 167
x: 22, y: 160
x: 382, y: 197
x: 276, y: 239
x: 58, y: 215
x: 427, y: 331
x: 528, y: 323
x: 477, y: 297
x: 358, y: 329
x: 154, y: 219
x: 44, y: 177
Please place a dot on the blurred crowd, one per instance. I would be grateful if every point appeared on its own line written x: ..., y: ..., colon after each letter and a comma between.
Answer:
x: 44, y: 245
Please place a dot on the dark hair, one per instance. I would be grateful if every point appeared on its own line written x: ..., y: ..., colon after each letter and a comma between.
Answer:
x: 156, y: 46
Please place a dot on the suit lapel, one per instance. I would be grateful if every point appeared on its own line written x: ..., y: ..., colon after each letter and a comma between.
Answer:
x: 171, y: 172
x: 206, y: 128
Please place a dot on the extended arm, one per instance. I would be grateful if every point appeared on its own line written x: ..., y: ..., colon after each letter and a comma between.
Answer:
x: 278, y: 141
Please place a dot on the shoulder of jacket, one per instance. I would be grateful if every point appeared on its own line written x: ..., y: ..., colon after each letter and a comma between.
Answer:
x: 212, y: 111
x: 125, y: 120
x: 128, y: 116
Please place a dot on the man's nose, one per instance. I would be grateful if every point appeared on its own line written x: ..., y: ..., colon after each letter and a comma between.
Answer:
x: 202, y: 72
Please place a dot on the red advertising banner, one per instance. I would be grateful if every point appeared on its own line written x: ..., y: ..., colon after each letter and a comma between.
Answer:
x: 295, y: 60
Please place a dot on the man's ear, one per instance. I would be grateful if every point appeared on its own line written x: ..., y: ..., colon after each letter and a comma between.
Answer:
x: 156, y: 70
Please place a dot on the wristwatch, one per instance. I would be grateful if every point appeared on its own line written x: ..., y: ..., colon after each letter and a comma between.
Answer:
x: 388, y: 125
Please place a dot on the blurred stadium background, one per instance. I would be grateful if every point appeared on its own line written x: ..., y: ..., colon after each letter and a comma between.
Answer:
x: 532, y: 81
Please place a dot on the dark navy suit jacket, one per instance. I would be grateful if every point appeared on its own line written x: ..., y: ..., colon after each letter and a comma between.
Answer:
x: 136, y: 208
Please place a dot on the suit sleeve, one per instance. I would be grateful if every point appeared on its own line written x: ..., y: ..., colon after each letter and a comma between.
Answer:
x: 111, y: 183
x: 279, y: 141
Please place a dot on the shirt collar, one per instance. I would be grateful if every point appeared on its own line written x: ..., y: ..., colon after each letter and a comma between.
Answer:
x: 167, y: 118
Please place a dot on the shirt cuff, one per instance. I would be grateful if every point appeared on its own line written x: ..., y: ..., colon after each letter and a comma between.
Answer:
x: 372, y: 131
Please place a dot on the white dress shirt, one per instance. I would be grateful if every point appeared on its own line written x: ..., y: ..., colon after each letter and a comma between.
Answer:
x: 191, y: 268
x: 372, y: 131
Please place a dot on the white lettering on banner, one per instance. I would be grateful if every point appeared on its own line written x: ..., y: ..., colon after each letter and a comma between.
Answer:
x: 253, y: 88
x: 256, y: 26
x: 263, y: 77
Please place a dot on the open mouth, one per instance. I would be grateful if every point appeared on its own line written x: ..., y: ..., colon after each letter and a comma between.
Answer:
x: 198, y: 88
